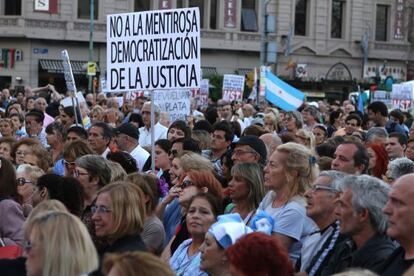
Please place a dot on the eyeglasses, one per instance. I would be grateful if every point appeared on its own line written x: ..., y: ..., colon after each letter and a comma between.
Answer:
x: 319, y: 187
x: 241, y: 152
x: 68, y: 164
x: 77, y: 173
x: 173, y: 152
x: 21, y: 181
x: 186, y: 183
x: 100, y: 209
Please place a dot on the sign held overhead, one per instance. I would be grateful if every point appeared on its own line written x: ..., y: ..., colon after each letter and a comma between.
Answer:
x: 153, y: 50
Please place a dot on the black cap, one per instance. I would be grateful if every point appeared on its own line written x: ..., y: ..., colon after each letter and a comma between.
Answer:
x: 36, y: 113
x: 255, y: 143
x: 128, y: 129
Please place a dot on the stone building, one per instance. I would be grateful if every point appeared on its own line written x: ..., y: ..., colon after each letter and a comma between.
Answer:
x: 320, y: 44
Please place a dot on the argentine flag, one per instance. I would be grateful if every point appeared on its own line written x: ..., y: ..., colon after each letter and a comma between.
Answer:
x: 282, y: 94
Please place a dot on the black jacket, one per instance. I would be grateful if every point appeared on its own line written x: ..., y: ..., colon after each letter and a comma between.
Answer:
x: 13, y: 267
x: 396, y: 264
x: 124, y: 244
x: 370, y: 256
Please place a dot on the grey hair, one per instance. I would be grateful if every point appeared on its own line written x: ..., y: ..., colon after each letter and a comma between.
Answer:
x: 400, y: 166
x: 97, y: 166
x: 157, y: 108
x: 298, y: 117
x: 33, y: 172
x: 374, y: 132
x: 335, y: 177
x: 368, y: 193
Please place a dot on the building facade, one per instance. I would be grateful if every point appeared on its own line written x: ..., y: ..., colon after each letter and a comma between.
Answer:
x: 321, y: 45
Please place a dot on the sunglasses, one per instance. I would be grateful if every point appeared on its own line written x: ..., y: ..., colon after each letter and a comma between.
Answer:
x: 186, y: 183
x: 173, y: 152
x: 21, y: 181
x: 68, y: 164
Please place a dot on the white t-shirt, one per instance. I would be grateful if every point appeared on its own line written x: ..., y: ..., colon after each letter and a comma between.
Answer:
x: 160, y: 132
x: 140, y: 155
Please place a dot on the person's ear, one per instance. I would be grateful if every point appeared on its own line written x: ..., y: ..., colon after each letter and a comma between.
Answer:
x: 204, y: 190
x: 44, y: 193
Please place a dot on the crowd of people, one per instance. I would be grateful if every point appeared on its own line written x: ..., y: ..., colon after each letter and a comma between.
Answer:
x: 239, y: 188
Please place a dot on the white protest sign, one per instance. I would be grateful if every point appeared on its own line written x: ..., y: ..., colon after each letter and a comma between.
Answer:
x: 202, y: 99
x: 402, y: 96
x: 233, y: 86
x: 175, y: 102
x: 70, y: 80
x: 153, y: 50
x: 68, y: 100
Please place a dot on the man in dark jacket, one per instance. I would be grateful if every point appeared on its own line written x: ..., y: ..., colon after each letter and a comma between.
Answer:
x: 360, y: 214
x: 400, y: 212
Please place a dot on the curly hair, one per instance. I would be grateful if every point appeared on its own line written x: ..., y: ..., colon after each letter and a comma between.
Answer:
x: 260, y: 254
x: 381, y: 164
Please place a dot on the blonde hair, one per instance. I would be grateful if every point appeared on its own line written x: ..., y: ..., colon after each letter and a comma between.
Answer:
x: 128, y: 208
x: 310, y: 138
x: 194, y: 161
x: 301, y: 160
x: 117, y: 171
x: 44, y: 206
x: 66, y: 245
x: 136, y: 263
x: 272, y: 117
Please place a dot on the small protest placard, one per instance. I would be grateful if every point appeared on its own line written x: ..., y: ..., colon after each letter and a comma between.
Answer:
x: 175, y: 102
x: 402, y: 96
x: 67, y: 67
x: 233, y: 86
x: 153, y: 50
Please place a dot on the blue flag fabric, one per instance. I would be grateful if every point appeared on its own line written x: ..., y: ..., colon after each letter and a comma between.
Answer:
x: 282, y: 94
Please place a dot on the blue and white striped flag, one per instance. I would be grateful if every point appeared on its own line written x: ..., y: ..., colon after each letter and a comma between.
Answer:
x: 282, y: 94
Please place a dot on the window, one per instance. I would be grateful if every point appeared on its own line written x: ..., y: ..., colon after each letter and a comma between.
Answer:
x: 301, y: 12
x: 141, y: 5
x: 84, y: 11
x: 410, y: 29
x: 200, y: 5
x: 337, y: 19
x: 180, y: 4
x: 249, y: 16
x: 381, y: 24
x: 213, y: 14
x: 13, y: 7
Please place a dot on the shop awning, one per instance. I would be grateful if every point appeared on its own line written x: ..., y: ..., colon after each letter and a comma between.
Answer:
x: 243, y: 71
x: 56, y: 66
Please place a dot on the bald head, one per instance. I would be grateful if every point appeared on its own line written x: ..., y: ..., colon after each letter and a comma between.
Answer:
x: 400, y: 211
x: 272, y: 141
x: 248, y: 110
